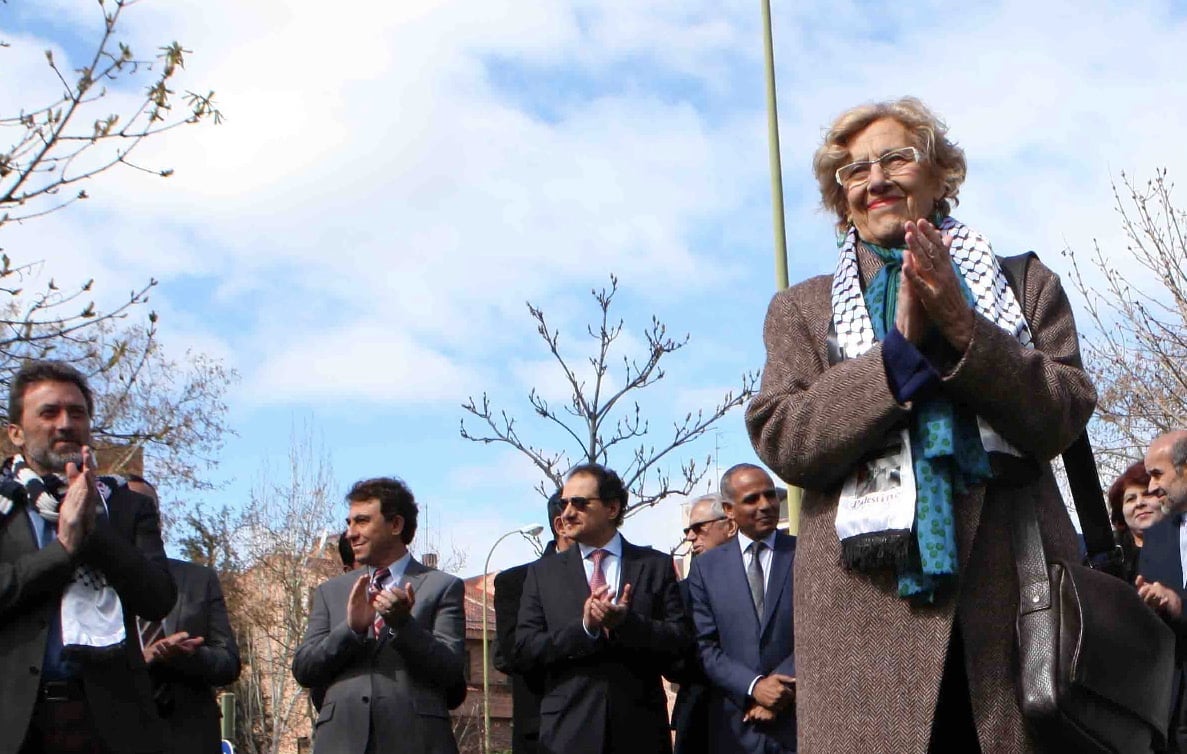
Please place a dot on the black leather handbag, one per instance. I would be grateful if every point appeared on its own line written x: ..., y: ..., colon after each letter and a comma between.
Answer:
x: 1095, y: 664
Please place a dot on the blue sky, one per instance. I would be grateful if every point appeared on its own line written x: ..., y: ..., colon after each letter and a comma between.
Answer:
x: 393, y: 182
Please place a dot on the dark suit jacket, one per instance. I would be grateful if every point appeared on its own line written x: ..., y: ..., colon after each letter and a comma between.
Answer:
x: 690, y: 714
x: 527, y: 684
x: 185, y: 685
x: 735, y: 646
x: 602, y: 694
x: 126, y: 547
x: 396, y: 689
x: 1160, y: 561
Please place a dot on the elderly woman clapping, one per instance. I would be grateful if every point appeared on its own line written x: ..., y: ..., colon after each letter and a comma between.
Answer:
x: 914, y: 354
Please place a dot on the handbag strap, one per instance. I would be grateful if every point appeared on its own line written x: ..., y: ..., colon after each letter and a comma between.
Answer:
x: 1030, y: 558
x: 1078, y: 461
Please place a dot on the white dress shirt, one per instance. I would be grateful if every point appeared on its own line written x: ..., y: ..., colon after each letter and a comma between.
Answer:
x: 1183, y: 548
x: 764, y: 559
x: 611, y: 568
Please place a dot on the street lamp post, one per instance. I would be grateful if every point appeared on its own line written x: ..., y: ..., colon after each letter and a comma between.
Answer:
x: 527, y: 531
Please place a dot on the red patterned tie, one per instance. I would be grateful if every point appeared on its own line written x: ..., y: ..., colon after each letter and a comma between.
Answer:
x: 377, y: 580
x: 598, y: 579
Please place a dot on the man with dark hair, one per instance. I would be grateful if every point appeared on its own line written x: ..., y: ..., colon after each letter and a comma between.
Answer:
x: 388, y: 646
x: 1162, y: 565
x: 741, y: 595
x: 190, y: 653
x: 527, y: 681
x: 602, y: 620
x: 80, y: 558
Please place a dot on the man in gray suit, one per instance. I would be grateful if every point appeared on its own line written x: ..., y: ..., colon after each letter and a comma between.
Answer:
x: 387, y: 645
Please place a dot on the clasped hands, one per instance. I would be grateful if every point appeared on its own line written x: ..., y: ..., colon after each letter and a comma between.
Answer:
x: 393, y: 603
x: 929, y: 292
x: 600, y: 612
x: 772, y: 694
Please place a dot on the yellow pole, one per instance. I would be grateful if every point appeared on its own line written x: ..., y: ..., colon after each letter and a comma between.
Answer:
x: 794, y: 494
x: 773, y: 151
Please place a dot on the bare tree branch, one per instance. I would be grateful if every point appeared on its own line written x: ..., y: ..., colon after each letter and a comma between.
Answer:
x: 593, y: 417
x: 1137, y: 355
x: 66, y: 141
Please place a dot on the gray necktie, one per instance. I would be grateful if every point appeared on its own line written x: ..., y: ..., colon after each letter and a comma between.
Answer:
x: 754, y: 576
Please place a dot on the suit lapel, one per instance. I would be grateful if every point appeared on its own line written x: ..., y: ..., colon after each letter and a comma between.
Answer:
x: 780, y: 570
x: 170, y: 622
x: 574, y: 574
x: 630, y: 568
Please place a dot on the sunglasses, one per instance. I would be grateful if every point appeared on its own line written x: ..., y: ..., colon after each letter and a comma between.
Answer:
x: 699, y: 528
x: 578, y: 503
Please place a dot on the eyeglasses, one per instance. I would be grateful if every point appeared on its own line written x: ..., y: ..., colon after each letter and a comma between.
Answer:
x: 770, y: 494
x: 699, y: 528
x: 580, y: 503
x: 893, y: 163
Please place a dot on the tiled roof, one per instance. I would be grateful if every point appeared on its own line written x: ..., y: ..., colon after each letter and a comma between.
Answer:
x: 474, y: 587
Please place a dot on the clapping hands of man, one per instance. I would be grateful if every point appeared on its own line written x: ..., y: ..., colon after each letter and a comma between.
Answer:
x: 393, y: 603
x: 603, y: 613
x: 80, y: 504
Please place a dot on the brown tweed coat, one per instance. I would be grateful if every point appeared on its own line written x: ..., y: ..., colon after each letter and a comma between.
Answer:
x: 870, y: 663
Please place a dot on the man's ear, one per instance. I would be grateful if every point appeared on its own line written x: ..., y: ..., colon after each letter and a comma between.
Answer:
x: 618, y: 513
x: 16, y: 436
x: 397, y: 525
x: 728, y: 507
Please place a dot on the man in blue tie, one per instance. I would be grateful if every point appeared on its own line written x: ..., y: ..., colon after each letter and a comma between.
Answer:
x: 741, y: 594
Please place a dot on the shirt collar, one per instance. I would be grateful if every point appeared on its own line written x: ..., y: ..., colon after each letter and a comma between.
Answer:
x: 614, y: 547
x: 769, y: 540
x: 397, y: 569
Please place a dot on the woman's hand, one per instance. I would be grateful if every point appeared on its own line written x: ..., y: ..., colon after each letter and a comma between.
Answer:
x: 927, y: 269
x: 910, y: 318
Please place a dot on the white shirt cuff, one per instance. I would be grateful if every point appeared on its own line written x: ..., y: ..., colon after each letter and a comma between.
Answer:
x: 750, y: 691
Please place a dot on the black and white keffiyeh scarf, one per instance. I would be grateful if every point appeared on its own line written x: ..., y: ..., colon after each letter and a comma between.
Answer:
x: 973, y: 256
x: 92, y: 615
x: 880, y: 524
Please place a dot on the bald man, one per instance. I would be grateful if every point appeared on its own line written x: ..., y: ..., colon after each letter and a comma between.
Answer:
x: 1161, y: 564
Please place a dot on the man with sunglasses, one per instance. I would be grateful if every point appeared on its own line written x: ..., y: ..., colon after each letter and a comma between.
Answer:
x: 708, y: 527
x: 604, y: 620
x: 708, y: 524
x: 741, y: 599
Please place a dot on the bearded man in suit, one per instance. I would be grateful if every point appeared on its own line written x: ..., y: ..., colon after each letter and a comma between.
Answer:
x: 80, y: 558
